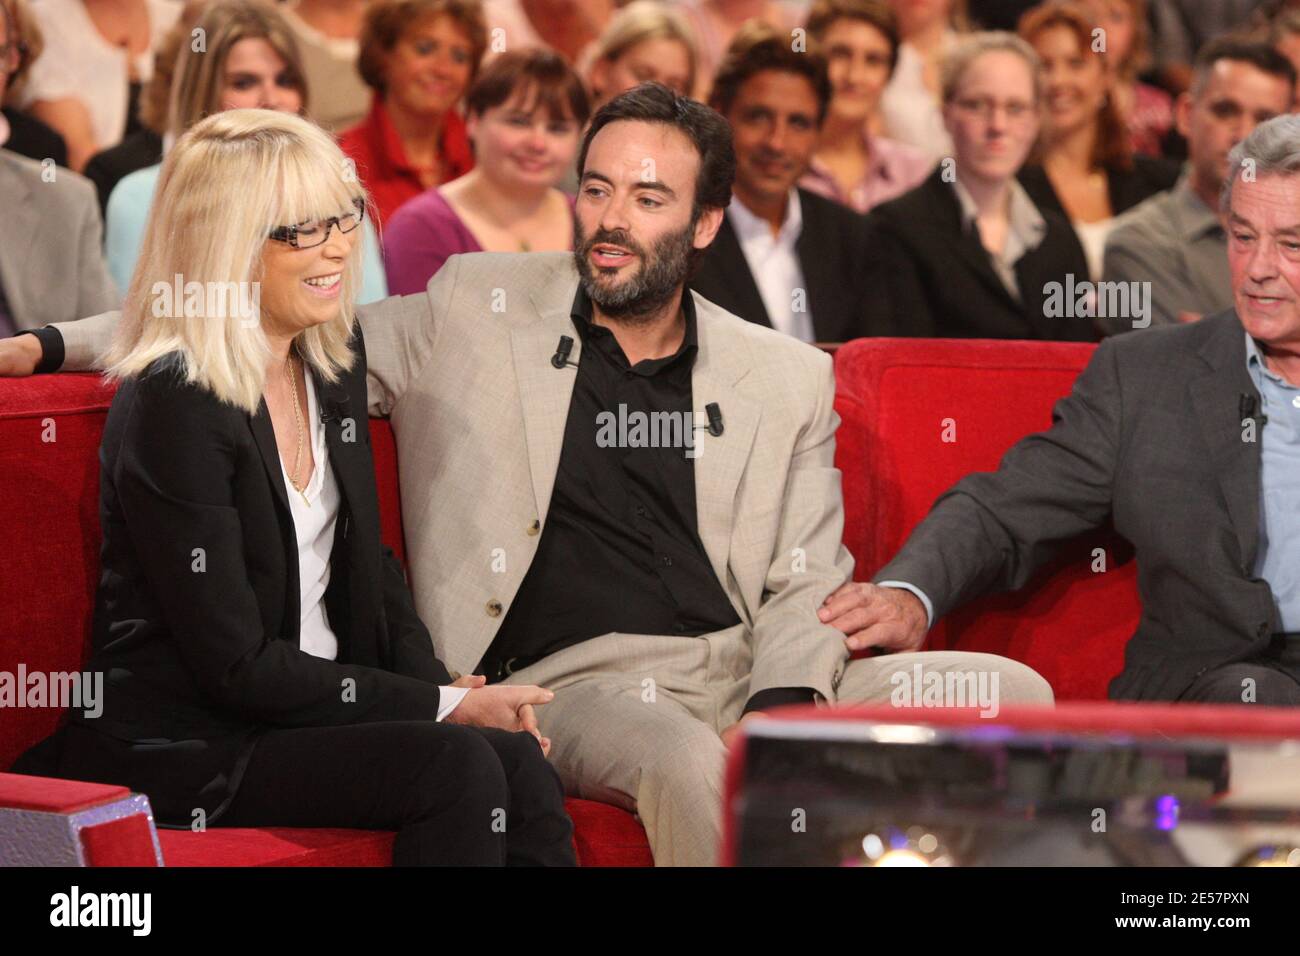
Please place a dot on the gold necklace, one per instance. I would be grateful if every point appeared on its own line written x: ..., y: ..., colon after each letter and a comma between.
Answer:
x: 298, y: 417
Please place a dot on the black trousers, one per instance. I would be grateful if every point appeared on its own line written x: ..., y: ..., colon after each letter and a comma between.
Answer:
x: 1273, y: 679
x: 455, y: 795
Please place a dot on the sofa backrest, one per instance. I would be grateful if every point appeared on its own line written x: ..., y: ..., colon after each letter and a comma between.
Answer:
x: 50, y: 428
x: 919, y: 414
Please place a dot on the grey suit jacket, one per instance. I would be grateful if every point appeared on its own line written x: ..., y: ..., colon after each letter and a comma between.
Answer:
x: 51, y: 255
x: 1150, y: 438
x: 464, y: 371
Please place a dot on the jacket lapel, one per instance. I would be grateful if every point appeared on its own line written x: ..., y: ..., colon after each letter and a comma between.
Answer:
x: 720, y: 460
x: 969, y: 248
x: 545, y: 391
x: 733, y: 267
x: 1216, y: 396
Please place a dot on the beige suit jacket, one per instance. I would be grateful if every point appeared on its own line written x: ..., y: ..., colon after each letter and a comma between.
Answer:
x: 464, y: 371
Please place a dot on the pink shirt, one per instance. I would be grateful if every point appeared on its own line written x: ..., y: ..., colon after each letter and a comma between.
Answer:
x: 895, y: 168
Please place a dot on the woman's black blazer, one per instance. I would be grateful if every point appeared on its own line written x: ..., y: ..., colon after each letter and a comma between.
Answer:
x: 197, y: 611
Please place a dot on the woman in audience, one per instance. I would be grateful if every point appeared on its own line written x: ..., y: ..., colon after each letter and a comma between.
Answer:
x: 21, y: 132
x: 853, y: 165
x: 525, y: 114
x: 1083, y: 167
x: 249, y: 59
x: 967, y: 254
x: 266, y: 662
x: 645, y: 41
x: 910, y: 105
x: 98, y: 54
x: 144, y: 147
x: 329, y: 40
x: 1148, y: 111
x: 714, y: 24
x: 419, y: 57
x: 568, y: 27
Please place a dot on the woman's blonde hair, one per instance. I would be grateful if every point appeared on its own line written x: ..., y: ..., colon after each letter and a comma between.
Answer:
x: 226, y: 184
x: 638, y: 22
x: 200, y: 67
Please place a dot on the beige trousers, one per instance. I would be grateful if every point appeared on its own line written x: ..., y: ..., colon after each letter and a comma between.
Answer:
x: 636, y: 718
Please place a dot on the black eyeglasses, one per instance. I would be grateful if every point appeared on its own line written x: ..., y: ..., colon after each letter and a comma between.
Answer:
x: 314, y: 232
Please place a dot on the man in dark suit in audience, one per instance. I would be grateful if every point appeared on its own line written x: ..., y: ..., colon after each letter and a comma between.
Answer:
x: 784, y: 257
x: 967, y: 254
x: 1187, y: 438
x: 51, y: 261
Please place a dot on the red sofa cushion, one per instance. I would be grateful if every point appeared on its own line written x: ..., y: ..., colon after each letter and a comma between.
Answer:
x: 50, y: 428
x: 895, y: 397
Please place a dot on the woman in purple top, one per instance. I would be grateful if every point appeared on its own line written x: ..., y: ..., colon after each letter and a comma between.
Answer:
x: 524, y: 115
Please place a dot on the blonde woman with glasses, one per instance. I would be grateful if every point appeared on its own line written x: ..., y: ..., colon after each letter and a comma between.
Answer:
x: 265, y: 662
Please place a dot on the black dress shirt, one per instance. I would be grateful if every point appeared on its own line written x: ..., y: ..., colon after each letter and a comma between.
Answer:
x: 620, y: 550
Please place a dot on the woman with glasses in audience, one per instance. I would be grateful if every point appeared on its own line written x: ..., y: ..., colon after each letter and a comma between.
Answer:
x: 248, y: 60
x: 1083, y: 166
x: 419, y: 58
x: 525, y: 114
x: 853, y: 165
x: 910, y: 106
x: 98, y: 54
x: 1148, y: 111
x: 967, y: 254
x: 265, y: 662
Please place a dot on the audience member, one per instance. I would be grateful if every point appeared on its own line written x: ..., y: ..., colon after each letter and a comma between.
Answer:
x: 144, y: 147
x: 967, y: 254
x: 98, y: 54
x: 1150, y: 441
x: 910, y: 107
x: 329, y: 41
x: 1148, y: 111
x: 1176, y: 241
x: 419, y: 57
x: 249, y: 60
x: 21, y: 132
x: 645, y: 42
x: 852, y: 164
x: 566, y: 26
x: 525, y: 114
x: 51, y: 264
x: 783, y: 257
x: 714, y: 23
x: 1179, y: 28
x: 1083, y: 166
x: 1284, y: 35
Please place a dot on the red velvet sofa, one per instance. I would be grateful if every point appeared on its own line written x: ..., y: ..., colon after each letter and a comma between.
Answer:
x: 893, y: 396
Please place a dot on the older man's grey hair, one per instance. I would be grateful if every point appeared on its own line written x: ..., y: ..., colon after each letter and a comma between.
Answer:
x: 1272, y: 147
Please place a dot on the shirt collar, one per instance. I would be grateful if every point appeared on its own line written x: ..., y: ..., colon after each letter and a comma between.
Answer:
x: 1258, y: 368
x: 581, y: 313
x: 1023, y: 217
x: 750, y: 226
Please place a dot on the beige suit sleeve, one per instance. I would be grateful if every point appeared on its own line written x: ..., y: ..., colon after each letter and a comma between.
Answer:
x: 792, y: 648
x: 86, y: 340
x: 401, y: 335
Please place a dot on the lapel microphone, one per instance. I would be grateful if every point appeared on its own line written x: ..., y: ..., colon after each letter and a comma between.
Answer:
x: 562, y: 350
x: 714, y: 427
x: 1246, y: 409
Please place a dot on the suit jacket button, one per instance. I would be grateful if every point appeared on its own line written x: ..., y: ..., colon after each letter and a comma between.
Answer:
x: 535, y: 527
x: 494, y: 608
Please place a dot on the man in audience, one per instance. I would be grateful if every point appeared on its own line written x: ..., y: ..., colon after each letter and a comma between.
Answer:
x: 784, y: 257
x: 51, y: 262
x: 616, y: 489
x: 1175, y: 239
x: 1185, y: 438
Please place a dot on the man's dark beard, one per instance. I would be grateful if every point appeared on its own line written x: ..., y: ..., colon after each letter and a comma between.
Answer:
x: 637, y: 299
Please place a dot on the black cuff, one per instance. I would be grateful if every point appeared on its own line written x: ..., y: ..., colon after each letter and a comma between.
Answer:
x: 779, y: 697
x: 51, y: 340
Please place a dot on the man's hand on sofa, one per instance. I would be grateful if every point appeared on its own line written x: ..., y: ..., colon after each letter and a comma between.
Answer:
x: 870, y: 615
x: 19, y: 355
x: 506, y: 706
